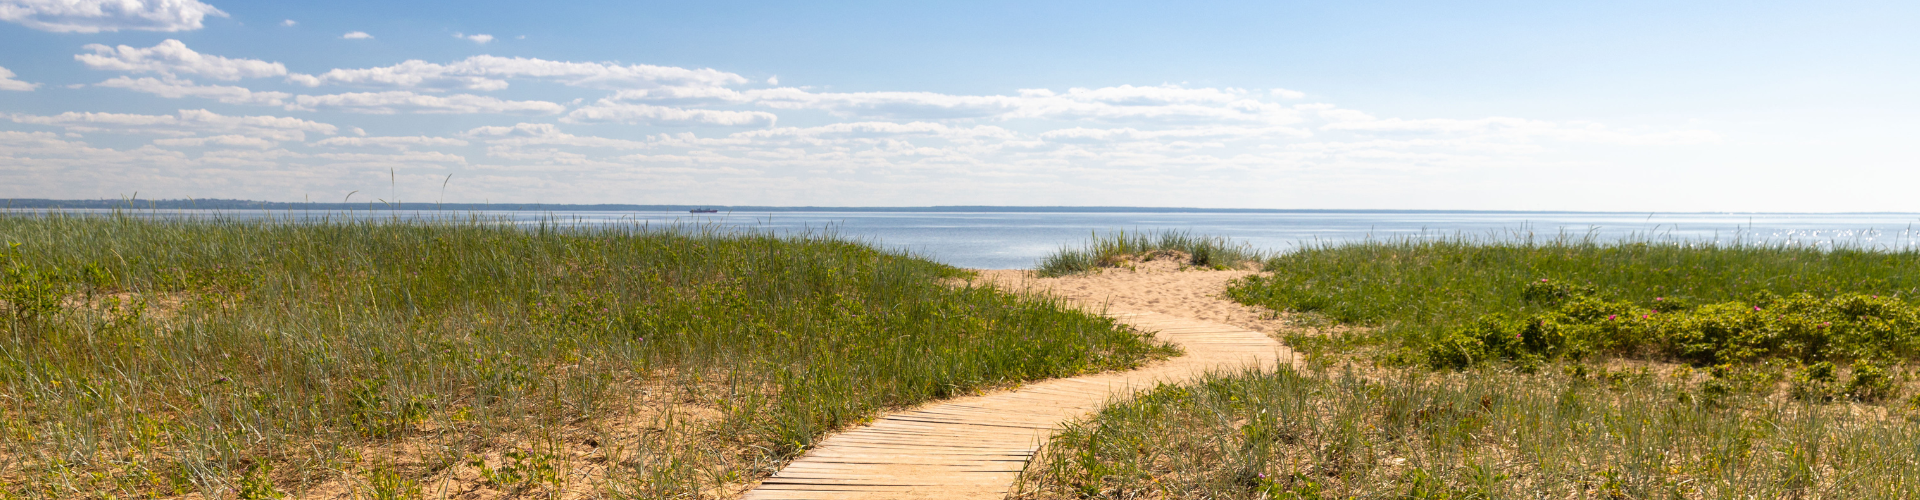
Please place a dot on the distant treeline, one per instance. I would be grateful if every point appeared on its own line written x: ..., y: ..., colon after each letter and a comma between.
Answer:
x: 226, y: 204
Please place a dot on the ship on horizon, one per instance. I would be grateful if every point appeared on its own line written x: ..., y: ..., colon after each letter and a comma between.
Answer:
x: 704, y: 211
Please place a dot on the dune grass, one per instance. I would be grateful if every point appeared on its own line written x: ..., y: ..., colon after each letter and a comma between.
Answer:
x: 1478, y: 434
x: 1413, y: 294
x: 1116, y: 248
x: 1565, y: 368
x: 423, y: 359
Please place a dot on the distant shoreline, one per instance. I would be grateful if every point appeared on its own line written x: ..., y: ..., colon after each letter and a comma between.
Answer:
x: 227, y: 204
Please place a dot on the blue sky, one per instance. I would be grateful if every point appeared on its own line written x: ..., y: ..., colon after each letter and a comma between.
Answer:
x: 1631, y: 106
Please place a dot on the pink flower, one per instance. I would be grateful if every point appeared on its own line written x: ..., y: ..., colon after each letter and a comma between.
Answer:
x: 1657, y: 299
x: 1756, y: 308
x: 1543, y: 280
x: 1611, y: 316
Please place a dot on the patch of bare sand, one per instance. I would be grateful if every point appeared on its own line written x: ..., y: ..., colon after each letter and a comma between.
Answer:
x: 1161, y: 285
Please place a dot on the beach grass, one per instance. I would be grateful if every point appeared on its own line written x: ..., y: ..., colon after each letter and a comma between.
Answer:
x: 1411, y: 294
x: 1477, y: 434
x: 1118, y: 248
x: 1470, y: 367
x: 229, y: 358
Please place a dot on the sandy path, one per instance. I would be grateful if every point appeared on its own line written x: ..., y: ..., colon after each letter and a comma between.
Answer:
x: 975, y: 447
x: 1156, y: 286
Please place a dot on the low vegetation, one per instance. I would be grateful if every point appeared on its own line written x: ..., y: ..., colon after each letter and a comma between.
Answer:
x: 1463, y: 368
x: 408, y: 359
x: 1478, y: 434
x: 1120, y: 248
x: 1423, y: 300
x: 1801, y: 329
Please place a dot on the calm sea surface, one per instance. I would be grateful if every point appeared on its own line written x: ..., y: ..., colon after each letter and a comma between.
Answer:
x: 1008, y: 240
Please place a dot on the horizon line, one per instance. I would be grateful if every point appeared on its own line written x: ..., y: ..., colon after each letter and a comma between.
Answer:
x: 239, y: 204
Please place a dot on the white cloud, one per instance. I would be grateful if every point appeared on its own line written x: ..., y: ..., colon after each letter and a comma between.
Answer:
x: 647, y: 114
x: 1166, y: 104
x: 356, y: 35
x: 176, y: 88
x: 399, y: 101
x: 93, y: 121
x: 684, y: 95
x: 232, y: 141
x: 288, y: 22
x: 408, y: 74
x: 1126, y: 103
x: 1036, y: 140
x: 390, y: 142
x: 41, y: 162
x: 880, y: 130
x: 487, y: 72
x: 186, y: 122
x: 394, y: 158
x: 171, y: 57
x: 544, y: 134
x: 8, y: 83
x: 35, y: 139
x: 93, y: 16
x: 1092, y: 135
x: 913, y: 105
x: 479, y: 39
x: 1128, y: 95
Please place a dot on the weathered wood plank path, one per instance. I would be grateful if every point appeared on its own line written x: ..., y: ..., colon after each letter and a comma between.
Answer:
x: 975, y: 447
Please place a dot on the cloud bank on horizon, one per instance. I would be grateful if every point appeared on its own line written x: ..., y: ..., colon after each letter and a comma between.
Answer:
x: 552, y: 129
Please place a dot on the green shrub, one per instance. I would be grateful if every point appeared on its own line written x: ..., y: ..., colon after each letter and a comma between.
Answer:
x: 1814, y: 382
x: 1802, y: 328
x: 31, y: 293
x: 1869, y: 382
x: 1422, y: 298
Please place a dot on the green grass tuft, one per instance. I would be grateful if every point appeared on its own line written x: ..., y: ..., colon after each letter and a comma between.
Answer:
x: 1111, y: 249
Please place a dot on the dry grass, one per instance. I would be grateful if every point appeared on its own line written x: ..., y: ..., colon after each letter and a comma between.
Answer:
x: 469, y: 359
x: 1411, y: 433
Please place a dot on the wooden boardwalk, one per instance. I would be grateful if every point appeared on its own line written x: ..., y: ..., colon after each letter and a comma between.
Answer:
x: 975, y: 447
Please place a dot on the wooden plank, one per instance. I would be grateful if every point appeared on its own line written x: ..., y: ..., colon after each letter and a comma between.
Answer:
x: 974, y: 447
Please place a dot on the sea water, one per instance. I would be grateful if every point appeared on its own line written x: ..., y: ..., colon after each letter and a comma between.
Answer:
x: 1020, y: 240
x: 1015, y: 240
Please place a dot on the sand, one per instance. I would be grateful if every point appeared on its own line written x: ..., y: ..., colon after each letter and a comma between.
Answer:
x: 1163, y: 286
